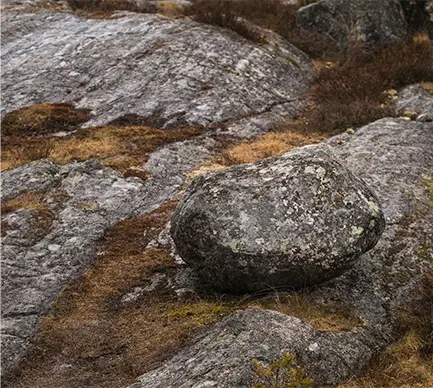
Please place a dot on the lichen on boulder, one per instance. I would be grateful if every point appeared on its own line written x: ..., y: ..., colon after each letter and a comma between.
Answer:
x: 287, y: 222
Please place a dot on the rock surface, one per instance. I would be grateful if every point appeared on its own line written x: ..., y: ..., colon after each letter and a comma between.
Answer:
x: 84, y: 199
x: 393, y: 156
x: 370, y: 22
x: 414, y: 100
x: 167, y: 72
x: 285, y: 222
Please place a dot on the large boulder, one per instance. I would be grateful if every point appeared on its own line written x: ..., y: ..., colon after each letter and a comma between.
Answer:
x: 394, y: 157
x: 348, y: 23
x: 291, y: 221
x: 146, y: 67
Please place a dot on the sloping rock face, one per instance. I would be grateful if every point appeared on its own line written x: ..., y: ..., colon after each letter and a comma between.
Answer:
x: 291, y: 221
x: 83, y: 200
x: 347, y: 23
x: 414, y: 99
x: 167, y: 71
x: 393, y: 156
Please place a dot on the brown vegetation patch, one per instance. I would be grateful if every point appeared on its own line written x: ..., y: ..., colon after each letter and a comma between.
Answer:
x: 43, y: 119
x: 270, y: 144
x: 331, y: 317
x: 408, y: 361
x: 269, y: 14
x: 122, y: 148
x: 92, y: 338
x: 42, y: 216
x: 352, y: 93
x: 100, y: 9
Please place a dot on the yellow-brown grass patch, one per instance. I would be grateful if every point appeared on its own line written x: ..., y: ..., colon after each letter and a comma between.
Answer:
x: 42, y: 218
x: 42, y: 119
x: 408, y: 362
x: 106, y: 343
x: 122, y: 148
x: 270, y: 144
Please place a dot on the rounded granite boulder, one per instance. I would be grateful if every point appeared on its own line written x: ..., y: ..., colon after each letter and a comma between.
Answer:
x: 285, y: 222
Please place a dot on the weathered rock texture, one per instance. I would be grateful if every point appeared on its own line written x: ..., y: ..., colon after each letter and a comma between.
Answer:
x: 347, y: 23
x: 169, y: 71
x: 415, y: 100
x: 291, y: 221
x: 393, y: 156
x: 84, y: 200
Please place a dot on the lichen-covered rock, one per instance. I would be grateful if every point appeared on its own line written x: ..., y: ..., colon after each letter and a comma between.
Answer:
x: 348, y: 23
x: 223, y: 357
x: 415, y: 101
x: 291, y: 221
x: 167, y: 71
x: 393, y: 156
x: 41, y: 255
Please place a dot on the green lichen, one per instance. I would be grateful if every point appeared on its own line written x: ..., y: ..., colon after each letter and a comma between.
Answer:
x: 356, y: 231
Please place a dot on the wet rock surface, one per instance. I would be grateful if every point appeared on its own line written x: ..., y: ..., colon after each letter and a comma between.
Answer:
x: 166, y: 71
x: 370, y: 22
x: 285, y: 222
x: 393, y: 157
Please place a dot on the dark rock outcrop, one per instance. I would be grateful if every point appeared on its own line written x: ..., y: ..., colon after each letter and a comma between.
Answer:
x: 291, y: 221
x: 393, y: 156
x: 348, y: 23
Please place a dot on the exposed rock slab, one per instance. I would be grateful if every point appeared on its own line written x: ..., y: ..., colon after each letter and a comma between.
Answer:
x: 169, y: 71
x: 93, y: 198
x: 370, y: 22
x: 394, y: 157
x: 291, y: 221
x: 414, y: 99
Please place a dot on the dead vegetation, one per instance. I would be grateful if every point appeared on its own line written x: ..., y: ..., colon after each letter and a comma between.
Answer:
x: 407, y: 363
x: 108, y: 343
x: 105, y: 8
x: 270, y: 144
x: 43, y: 119
x: 42, y: 216
x: 122, y: 148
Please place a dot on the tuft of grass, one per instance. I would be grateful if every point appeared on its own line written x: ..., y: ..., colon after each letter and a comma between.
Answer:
x: 122, y: 148
x: 43, y: 119
x: 282, y: 373
x: 106, y: 7
x: 226, y: 14
x: 408, y: 361
x: 42, y: 216
x: 270, y: 144
x: 331, y: 317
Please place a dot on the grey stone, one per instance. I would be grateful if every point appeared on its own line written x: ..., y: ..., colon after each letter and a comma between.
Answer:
x: 393, y: 156
x: 222, y: 358
x: 34, y: 269
x: 167, y: 71
x: 348, y: 23
x: 415, y: 99
x: 291, y: 221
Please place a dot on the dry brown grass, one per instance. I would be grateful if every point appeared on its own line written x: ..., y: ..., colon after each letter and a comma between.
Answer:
x: 408, y: 362
x: 122, y: 148
x: 352, y: 92
x: 42, y: 217
x: 270, y: 144
x: 104, y: 8
x: 106, y: 343
x: 43, y: 119
x: 332, y: 317
x: 269, y: 14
